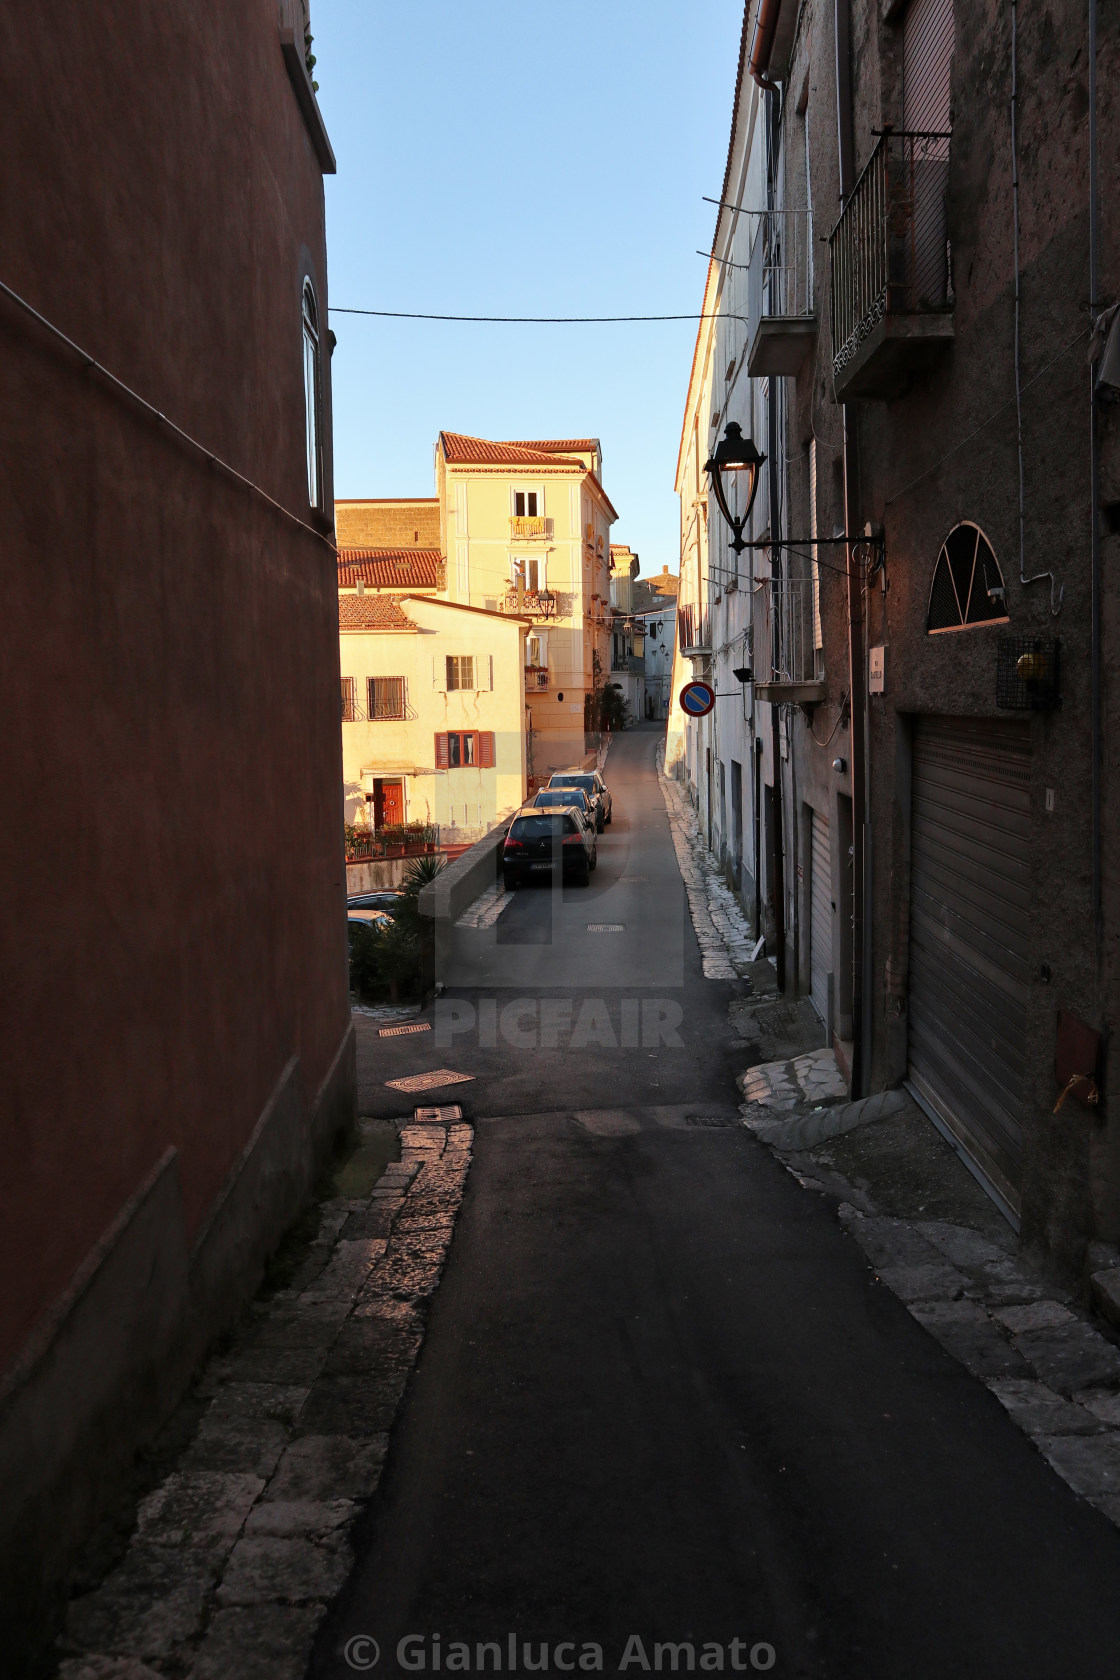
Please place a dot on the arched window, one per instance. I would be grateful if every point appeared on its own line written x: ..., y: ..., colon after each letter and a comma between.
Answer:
x: 313, y: 396
x: 967, y: 585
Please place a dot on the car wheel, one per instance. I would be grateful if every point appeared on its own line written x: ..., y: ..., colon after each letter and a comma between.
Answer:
x: 509, y: 880
x: 584, y: 880
x: 594, y: 862
x: 600, y: 824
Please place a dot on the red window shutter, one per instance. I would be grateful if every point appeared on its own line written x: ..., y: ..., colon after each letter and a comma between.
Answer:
x: 486, y: 749
x: 442, y: 756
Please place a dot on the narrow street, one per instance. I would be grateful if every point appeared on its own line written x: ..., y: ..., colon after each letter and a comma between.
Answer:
x: 662, y: 1394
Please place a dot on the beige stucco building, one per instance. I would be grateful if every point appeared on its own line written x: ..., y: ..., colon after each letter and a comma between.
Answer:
x: 433, y: 697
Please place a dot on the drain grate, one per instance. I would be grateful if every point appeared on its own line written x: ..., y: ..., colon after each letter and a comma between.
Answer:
x: 409, y: 1027
x: 708, y: 1121
x: 450, y: 1111
x: 429, y: 1081
x: 606, y: 927
x: 631, y: 880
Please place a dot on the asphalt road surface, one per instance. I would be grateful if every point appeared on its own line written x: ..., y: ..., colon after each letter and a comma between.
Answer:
x: 663, y: 1400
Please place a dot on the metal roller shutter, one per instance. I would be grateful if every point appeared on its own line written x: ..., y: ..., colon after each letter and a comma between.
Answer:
x: 969, y: 935
x: 927, y: 59
x: 820, y: 916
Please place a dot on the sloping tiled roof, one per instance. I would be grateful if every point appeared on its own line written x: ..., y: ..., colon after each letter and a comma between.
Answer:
x: 371, y: 612
x: 557, y: 446
x: 389, y: 568
x: 459, y: 450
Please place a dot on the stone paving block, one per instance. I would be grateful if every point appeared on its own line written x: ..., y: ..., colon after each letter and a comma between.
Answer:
x: 280, y: 1401
x: 1102, y: 1402
x: 370, y: 1344
x: 251, y: 1445
x: 267, y: 1570
x: 1039, y: 1411
x: 1105, y: 1287
x: 197, y: 1508
x: 313, y: 1324
x: 308, y: 1519
x: 964, y: 1329
x: 1037, y: 1315
x: 153, y: 1601
x: 375, y: 1303
x: 1071, y: 1356
x: 933, y: 1280
x: 960, y: 1245
x: 288, y: 1367
x: 326, y: 1467
x: 264, y: 1642
x: 377, y: 1222
x: 361, y: 1406
x: 892, y: 1242
x: 347, y: 1271
x: 408, y: 1279
x: 1089, y: 1463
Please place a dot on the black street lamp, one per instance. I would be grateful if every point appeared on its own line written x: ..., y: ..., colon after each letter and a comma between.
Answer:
x: 733, y: 468
x: 546, y: 601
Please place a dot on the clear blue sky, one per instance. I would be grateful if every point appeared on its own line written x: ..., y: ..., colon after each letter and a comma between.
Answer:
x: 535, y: 158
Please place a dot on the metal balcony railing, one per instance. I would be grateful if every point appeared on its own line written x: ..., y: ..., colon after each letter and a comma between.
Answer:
x: 536, y: 676
x: 529, y: 525
x: 780, y: 277
x: 890, y: 250
x: 789, y: 606
x: 694, y: 630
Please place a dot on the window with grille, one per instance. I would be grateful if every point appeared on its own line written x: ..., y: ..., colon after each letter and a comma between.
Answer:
x: 967, y: 587
x: 460, y: 671
x: 385, y: 698
x: 347, y: 699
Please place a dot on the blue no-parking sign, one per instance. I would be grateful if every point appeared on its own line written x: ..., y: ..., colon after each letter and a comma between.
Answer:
x: 697, y: 699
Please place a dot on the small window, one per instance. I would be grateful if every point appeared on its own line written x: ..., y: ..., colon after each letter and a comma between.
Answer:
x: 967, y: 587
x: 460, y: 671
x: 459, y: 749
x: 525, y: 504
x: 386, y: 698
x: 347, y: 699
x: 313, y: 396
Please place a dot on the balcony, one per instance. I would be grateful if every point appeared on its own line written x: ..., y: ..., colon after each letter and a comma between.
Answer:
x: 694, y: 631
x: 781, y: 325
x: 892, y: 297
x: 529, y: 525
x: 538, y: 603
x: 791, y: 610
x: 536, y: 676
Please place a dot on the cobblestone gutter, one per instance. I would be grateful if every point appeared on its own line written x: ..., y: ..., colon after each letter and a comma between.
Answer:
x: 720, y: 926
x: 238, y: 1552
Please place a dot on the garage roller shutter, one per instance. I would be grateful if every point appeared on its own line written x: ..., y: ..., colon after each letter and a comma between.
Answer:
x: 969, y: 935
x: 820, y: 917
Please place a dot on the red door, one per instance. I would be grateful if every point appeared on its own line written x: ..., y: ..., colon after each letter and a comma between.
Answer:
x: 388, y: 803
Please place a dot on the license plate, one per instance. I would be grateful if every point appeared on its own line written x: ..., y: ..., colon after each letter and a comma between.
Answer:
x: 540, y: 866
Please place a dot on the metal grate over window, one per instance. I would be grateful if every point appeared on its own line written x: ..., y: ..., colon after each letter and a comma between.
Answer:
x: 385, y: 696
x: 967, y: 586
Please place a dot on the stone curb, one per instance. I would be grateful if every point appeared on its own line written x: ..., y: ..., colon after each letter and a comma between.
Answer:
x: 805, y: 1131
x: 238, y: 1552
x: 721, y: 929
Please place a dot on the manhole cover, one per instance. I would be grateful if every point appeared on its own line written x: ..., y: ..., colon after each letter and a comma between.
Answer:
x: 429, y: 1081
x: 451, y: 1111
x: 707, y: 1120
x: 409, y: 1027
x: 606, y: 927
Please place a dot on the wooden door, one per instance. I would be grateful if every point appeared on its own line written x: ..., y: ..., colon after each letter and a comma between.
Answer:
x: 388, y: 803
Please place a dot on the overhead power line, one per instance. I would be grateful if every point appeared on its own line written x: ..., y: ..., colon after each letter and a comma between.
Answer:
x: 532, y: 320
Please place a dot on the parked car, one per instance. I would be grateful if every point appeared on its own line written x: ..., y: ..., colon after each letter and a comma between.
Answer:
x: 381, y: 898
x: 593, y: 784
x: 356, y: 913
x: 534, y: 839
x: 551, y: 798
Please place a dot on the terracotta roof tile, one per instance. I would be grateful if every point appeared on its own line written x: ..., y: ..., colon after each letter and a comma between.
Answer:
x: 390, y: 568
x: 459, y: 450
x: 557, y: 446
x: 371, y: 612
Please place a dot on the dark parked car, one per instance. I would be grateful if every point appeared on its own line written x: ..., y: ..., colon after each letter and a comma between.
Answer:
x: 594, y: 786
x: 538, y: 840
x: 556, y: 799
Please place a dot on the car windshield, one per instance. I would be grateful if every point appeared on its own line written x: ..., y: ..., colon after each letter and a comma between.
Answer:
x: 585, y: 782
x: 540, y: 828
x: 562, y: 796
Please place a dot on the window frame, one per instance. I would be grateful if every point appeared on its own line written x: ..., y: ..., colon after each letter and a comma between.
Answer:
x: 373, y: 713
x: 458, y: 660
x: 312, y: 354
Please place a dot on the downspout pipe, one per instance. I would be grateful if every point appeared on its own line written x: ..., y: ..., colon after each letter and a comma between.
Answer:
x: 762, y: 44
x: 1095, y: 492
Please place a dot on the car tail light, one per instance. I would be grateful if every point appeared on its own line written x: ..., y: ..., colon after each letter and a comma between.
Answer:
x: 515, y: 845
x: 573, y: 840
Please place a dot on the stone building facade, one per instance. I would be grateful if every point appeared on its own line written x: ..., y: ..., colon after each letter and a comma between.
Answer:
x: 906, y: 295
